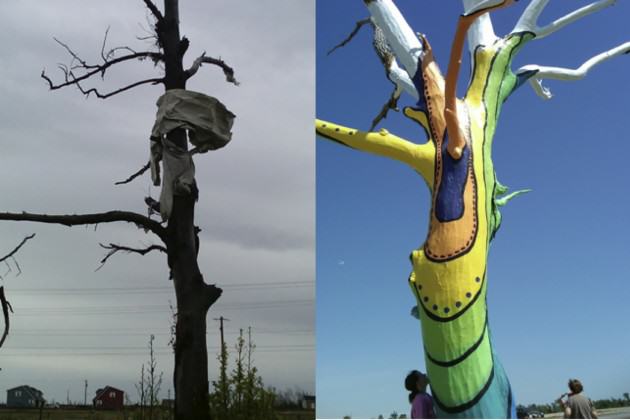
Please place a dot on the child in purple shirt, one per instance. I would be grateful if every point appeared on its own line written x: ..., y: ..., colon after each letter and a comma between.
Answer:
x: 421, y: 402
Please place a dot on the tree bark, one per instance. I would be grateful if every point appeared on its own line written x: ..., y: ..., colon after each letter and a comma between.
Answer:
x: 194, y: 296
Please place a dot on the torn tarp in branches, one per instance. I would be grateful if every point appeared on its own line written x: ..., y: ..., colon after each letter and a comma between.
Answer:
x: 208, y: 124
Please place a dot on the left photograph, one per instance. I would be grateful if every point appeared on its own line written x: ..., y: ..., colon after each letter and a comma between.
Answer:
x: 157, y: 245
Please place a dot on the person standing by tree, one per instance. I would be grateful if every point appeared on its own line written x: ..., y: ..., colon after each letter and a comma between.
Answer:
x: 421, y: 403
x: 577, y: 405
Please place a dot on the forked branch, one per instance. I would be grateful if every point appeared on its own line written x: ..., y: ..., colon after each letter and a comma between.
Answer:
x: 457, y: 140
x: 114, y: 248
x: 80, y: 70
x: 529, y: 19
x: 558, y: 73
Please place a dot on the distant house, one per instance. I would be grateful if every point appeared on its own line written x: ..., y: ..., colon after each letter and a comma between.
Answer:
x: 109, y: 398
x: 308, y: 402
x: 24, y: 396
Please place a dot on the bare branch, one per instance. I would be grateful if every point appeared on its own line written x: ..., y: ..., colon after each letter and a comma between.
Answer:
x: 227, y: 70
x: 356, y: 29
x: 135, y: 175
x: 392, y: 103
x: 139, y: 220
x: 89, y: 70
x: 558, y: 73
x: 529, y: 18
x: 153, y: 8
x: 101, y: 68
x: 6, y: 306
x: 17, y: 248
x: 114, y: 248
x: 100, y: 95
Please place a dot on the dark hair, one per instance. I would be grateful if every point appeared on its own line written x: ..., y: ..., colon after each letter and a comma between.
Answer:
x: 411, y: 383
x: 575, y: 386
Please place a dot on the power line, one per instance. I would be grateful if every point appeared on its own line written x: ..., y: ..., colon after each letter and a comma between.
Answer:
x: 156, y: 289
x: 149, y: 309
x: 143, y: 348
x: 69, y: 333
x: 139, y: 354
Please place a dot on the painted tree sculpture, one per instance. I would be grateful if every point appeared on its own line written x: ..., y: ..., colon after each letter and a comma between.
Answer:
x: 449, y: 270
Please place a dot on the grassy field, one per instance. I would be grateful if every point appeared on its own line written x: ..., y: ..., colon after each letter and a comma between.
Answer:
x: 63, y: 414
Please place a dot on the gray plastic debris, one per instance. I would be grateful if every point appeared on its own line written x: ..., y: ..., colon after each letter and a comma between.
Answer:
x: 208, y: 123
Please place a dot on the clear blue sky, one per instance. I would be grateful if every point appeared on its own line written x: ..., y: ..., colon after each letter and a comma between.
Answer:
x: 559, y: 267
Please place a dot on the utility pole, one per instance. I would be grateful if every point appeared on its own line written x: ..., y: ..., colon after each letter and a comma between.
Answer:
x: 224, y: 388
x: 221, y: 319
x: 85, y: 394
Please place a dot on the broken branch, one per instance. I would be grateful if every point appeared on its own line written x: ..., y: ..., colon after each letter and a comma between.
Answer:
x: 356, y: 29
x: 6, y: 306
x: 135, y: 175
x: 203, y: 58
x: 153, y: 8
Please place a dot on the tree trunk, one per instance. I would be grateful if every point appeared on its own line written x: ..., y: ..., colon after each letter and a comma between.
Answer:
x: 194, y: 297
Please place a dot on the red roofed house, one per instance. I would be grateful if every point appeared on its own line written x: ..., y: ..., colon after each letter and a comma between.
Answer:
x: 109, y: 398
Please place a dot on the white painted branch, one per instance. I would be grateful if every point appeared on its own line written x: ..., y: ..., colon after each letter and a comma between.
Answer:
x: 481, y: 32
x: 400, y: 37
x: 529, y: 18
x: 559, y: 73
x: 477, y: 5
x: 402, y: 80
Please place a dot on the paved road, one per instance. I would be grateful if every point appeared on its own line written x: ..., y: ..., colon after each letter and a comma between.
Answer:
x: 616, y: 413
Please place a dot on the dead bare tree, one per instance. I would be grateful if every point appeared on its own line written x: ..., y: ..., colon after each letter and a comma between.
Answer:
x: 179, y: 235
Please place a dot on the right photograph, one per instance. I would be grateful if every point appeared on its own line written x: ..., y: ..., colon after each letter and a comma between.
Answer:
x: 472, y: 209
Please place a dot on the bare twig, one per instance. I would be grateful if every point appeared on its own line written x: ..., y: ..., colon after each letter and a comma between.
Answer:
x: 114, y: 248
x: 356, y: 29
x: 146, y: 167
x: 135, y: 175
x: 203, y: 58
x: 139, y: 220
x: 17, y: 248
x: 392, y: 103
x: 6, y: 307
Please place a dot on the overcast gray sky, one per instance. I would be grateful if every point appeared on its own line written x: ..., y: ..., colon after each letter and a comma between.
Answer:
x: 61, y: 153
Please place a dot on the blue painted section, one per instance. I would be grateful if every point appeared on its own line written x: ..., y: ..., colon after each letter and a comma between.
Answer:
x: 496, y: 403
x: 418, y: 82
x: 449, y: 202
x: 521, y: 78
